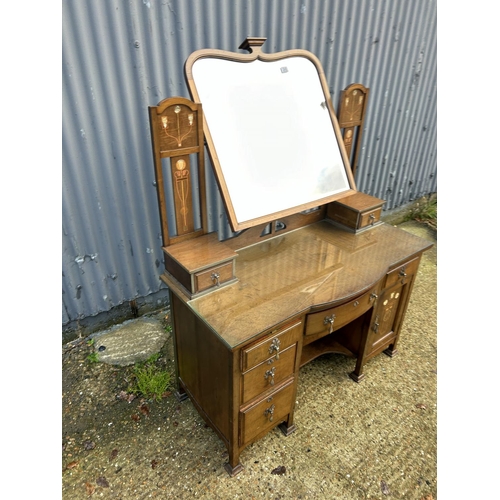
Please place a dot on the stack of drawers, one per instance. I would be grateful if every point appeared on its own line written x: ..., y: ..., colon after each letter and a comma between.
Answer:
x: 268, y: 382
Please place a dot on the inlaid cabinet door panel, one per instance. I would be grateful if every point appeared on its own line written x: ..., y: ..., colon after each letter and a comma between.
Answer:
x: 385, y: 315
x: 390, y: 308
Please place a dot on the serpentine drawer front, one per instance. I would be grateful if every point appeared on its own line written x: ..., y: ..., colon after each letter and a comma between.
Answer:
x: 268, y: 374
x: 266, y: 413
x: 271, y: 347
x: 329, y: 320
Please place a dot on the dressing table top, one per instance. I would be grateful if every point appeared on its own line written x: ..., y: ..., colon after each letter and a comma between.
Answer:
x: 302, y: 270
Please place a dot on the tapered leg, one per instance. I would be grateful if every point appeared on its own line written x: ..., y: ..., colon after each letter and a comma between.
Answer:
x: 357, y: 375
x: 180, y: 394
x: 288, y: 427
x: 234, y: 466
x: 392, y: 350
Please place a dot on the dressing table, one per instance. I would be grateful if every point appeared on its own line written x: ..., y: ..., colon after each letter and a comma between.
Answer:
x: 310, y: 268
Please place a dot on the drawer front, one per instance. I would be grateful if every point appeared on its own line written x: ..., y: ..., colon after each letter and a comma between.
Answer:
x: 213, y: 276
x: 328, y: 321
x: 266, y: 413
x: 268, y: 374
x: 402, y: 273
x: 272, y: 346
x: 369, y: 218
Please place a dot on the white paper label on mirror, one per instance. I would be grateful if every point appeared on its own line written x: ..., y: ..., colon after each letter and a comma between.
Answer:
x: 273, y: 135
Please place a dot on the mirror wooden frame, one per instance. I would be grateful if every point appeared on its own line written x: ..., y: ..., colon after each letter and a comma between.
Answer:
x: 254, y: 46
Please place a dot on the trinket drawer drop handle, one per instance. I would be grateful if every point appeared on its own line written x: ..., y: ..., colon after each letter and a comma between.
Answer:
x: 329, y: 320
x: 372, y: 219
x: 215, y: 278
x: 270, y: 375
x: 275, y: 346
x: 269, y: 412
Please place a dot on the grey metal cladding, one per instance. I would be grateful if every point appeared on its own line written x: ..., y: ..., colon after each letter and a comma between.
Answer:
x: 119, y: 57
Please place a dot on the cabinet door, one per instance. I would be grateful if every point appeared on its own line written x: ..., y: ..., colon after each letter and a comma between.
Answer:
x: 387, y: 317
x: 390, y: 309
x: 384, y: 324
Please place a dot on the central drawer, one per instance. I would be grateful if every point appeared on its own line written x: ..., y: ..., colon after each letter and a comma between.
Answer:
x: 268, y: 374
x: 266, y: 413
x: 329, y: 320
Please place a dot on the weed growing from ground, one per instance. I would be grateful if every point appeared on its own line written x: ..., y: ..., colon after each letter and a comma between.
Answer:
x: 425, y: 212
x: 150, y: 380
x: 93, y: 357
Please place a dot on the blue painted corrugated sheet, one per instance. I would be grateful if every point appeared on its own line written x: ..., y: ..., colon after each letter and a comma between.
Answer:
x: 119, y: 57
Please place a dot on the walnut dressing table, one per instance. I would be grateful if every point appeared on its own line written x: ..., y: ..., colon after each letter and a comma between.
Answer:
x: 310, y: 268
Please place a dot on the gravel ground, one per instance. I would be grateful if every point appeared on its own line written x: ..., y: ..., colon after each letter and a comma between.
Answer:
x: 376, y: 439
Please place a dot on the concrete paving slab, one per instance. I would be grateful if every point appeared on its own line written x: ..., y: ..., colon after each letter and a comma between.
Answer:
x: 130, y: 342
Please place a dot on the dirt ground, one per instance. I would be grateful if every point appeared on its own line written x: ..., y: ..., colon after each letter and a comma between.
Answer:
x: 376, y: 439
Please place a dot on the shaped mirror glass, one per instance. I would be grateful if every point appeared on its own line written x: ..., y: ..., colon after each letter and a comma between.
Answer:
x: 271, y: 132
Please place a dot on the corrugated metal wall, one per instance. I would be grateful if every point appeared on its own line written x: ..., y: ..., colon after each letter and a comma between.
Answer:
x: 120, y: 56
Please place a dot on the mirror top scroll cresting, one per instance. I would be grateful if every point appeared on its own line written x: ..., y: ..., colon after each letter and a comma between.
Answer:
x: 271, y: 131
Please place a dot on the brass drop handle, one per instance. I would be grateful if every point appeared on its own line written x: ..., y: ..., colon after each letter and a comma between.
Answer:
x: 372, y: 219
x: 275, y: 346
x: 376, y: 324
x: 373, y: 296
x: 402, y: 273
x: 270, y: 375
x: 215, y: 278
x: 329, y: 320
x: 269, y: 413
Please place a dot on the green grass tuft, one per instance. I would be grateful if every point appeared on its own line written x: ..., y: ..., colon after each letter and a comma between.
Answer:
x: 93, y: 357
x: 150, y: 380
